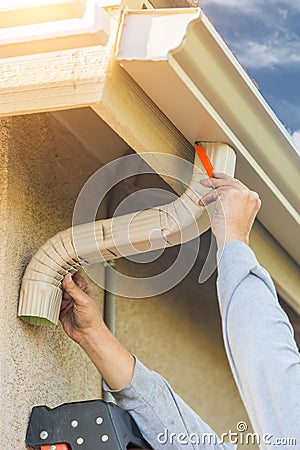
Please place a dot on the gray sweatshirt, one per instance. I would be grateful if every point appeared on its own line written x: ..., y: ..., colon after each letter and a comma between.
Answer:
x: 263, y: 356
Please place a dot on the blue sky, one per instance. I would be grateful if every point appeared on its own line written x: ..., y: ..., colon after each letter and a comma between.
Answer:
x: 265, y: 36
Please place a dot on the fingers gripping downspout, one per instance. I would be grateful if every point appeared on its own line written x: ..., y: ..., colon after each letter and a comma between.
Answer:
x: 103, y: 240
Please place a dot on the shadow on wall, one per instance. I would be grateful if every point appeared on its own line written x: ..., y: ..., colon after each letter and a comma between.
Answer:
x: 43, y: 167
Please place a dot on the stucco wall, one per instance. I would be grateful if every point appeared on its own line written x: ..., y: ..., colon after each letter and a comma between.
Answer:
x: 42, y: 169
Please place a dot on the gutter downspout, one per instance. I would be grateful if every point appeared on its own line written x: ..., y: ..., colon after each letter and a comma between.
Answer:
x: 104, y: 240
x: 109, y: 313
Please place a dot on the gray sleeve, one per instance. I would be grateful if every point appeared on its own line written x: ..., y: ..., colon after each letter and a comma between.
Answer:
x: 260, y: 345
x: 163, y: 418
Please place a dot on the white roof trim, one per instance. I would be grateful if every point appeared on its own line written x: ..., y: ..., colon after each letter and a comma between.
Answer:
x: 95, y: 20
x: 12, y: 5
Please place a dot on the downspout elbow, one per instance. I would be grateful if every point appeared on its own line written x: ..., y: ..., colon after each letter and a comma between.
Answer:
x: 147, y: 230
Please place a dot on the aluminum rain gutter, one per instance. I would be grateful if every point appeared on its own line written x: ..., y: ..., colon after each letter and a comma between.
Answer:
x: 139, y: 232
x: 182, y: 63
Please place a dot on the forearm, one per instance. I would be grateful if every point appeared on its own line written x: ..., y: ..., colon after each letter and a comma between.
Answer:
x: 111, y: 358
x: 162, y: 416
x: 259, y: 343
x: 157, y: 410
x: 82, y: 321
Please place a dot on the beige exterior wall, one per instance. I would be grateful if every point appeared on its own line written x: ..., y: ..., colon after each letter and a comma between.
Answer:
x: 42, y: 171
x: 43, y: 167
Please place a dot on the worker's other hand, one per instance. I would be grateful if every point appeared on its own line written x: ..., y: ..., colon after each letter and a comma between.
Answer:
x: 80, y: 314
x: 236, y: 208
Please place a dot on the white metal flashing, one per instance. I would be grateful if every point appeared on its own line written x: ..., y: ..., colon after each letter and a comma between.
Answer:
x: 200, y: 86
x: 94, y: 21
x: 12, y: 5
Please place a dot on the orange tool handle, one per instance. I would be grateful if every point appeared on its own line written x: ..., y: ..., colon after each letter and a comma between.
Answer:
x: 57, y: 447
x: 205, y: 160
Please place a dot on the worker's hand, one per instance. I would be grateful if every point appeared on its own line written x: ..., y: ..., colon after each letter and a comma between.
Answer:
x: 235, y: 211
x: 82, y: 321
x: 80, y: 314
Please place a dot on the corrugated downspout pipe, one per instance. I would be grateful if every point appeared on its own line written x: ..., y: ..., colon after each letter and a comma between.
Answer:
x: 103, y: 240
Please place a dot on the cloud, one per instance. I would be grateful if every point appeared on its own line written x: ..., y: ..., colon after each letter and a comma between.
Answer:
x: 262, y: 34
x: 288, y: 112
x: 275, y: 50
x: 296, y: 138
x: 245, y: 5
x: 265, y: 37
x: 248, y: 6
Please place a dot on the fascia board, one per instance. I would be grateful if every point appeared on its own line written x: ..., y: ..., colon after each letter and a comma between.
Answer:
x: 51, y: 81
x: 203, y: 90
